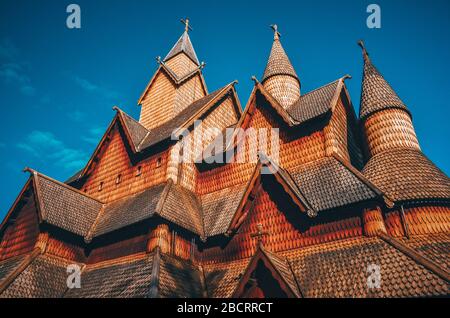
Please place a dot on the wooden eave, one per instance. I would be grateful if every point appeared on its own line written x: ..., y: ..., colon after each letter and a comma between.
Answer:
x: 276, y: 274
x: 283, y: 179
x: 287, y: 119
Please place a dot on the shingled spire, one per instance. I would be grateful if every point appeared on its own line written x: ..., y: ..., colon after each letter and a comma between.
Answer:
x: 183, y: 45
x: 376, y: 93
x: 177, y: 83
x: 387, y: 121
x: 280, y: 78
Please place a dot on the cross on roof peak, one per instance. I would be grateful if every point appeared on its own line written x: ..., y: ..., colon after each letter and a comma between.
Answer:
x: 187, y: 27
x: 275, y: 30
x: 259, y: 234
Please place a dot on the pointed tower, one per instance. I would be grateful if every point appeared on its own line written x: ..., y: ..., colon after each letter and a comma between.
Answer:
x: 177, y: 83
x: 280, y: 78
x: 386, y: 120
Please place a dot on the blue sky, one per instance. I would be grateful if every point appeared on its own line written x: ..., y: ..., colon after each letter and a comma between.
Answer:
x: 57, y: 86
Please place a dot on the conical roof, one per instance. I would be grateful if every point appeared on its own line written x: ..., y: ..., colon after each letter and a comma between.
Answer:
x: 376, y: 93
x: 278, y: 63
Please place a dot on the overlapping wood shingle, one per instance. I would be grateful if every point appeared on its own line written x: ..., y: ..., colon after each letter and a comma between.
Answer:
x: 62, y: 205
x: 129, y: 210
x: 278, y: 63
x: 184, y: 45
x: 376, y: 93
x: 45, y: 277
x: 327, y: 183
x: 344, y: 269
x: 407, y: 174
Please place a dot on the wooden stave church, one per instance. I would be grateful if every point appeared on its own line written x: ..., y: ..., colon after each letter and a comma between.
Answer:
x: 347, y: 193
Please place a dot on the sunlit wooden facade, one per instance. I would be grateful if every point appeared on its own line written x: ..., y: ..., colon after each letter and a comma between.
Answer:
x: 344, y: 192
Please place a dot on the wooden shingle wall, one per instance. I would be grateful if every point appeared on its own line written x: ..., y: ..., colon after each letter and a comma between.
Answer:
x: 115, y: 161
x: 420, y: 220
x: 181, y: 64
x: 124, y: 247
x: 20, y: 237
x: 293, y: 152
x: 336, y: 133
x: 187, y: 93
x: 62, y: 248
x: 165, y: 98
x: 212, y: 125
x: 284, y: 88
x: 157, y: 105
x: 283, y: 233
x: 389, y: 129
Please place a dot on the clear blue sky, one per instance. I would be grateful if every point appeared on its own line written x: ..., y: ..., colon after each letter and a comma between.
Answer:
x: 57, y: 86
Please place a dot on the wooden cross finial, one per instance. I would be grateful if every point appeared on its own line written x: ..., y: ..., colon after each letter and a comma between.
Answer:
x: 275, y: 30
x: 259, y: 234
x: 187, y: 27
x: 364, y: 50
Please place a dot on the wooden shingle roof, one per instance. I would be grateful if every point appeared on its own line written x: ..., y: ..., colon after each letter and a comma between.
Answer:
x: 407, y: 174
x: 329, y: 183
x: 340, y: 269
x: 376, y: 93
x: 184, y: 45
x: 278, y: 63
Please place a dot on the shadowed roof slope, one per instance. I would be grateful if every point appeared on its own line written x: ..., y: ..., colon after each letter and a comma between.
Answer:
x: 407, y: 174
x: 327, y: 183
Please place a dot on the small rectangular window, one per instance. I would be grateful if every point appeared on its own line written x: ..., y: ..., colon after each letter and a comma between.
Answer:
x: 100, y: 186
x: 138, y: 171
x: 158, y: 162
x: 119, y: 179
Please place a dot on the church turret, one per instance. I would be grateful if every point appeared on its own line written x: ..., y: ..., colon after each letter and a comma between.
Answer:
x: 385, y: 118
x: 280, y: 78
x: 177, y: 83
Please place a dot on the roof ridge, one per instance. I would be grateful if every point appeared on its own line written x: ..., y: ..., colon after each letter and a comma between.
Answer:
x: 118, y: 261
x: 323, y: 86
x: 36, y: 173
x: 155, y: 274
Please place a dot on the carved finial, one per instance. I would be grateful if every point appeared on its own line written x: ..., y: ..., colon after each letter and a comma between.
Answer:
x: 29, y: 170
x: 158, y: 59
x: 259, y: 234
x: 187, y: 27
x: 202, y: 65
x: 363, y: 47
x: 347, y: 76
x: 116, y: 108
x: 254, y: 79
x: 277, y: 34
